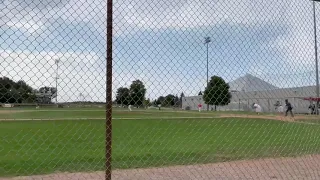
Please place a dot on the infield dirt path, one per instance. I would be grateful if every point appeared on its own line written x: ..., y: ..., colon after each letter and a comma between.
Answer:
x: 9, y: 111
x: 307, y: 167
x: 271, y: 117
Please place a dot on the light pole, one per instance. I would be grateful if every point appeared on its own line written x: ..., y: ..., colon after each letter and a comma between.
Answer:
x: 57, y: 77
x: 207, y: 40
x: 316, y: 51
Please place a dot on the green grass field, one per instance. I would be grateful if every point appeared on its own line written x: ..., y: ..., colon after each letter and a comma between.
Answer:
x: 145, y: 139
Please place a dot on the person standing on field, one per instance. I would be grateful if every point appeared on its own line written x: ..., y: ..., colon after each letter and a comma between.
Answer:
x: 257, y: 108
x: 312, y: 108
x: 129, y: 107
x: 199, y: 107
x: 289, y: 108
x: 280, y: 109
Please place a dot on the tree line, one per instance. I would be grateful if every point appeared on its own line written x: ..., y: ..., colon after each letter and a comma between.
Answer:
x: 169, y: 100
x: 21, y: 92
x: 15, y: 92
x: 134, y: 95
x: 216, y: 93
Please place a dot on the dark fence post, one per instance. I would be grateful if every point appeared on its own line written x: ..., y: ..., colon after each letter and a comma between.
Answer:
x: 109, y: 93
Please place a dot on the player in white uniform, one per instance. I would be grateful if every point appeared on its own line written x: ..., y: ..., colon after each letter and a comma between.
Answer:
x: 280, y: 109
x: 257, y: 107
x: 130, y: 107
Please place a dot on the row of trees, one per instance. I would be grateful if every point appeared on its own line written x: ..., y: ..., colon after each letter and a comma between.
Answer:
x: 15, y: 92
x: 169, y: 101
x: 134, y: 95
x: 21, y: 92
x: 216, y: 93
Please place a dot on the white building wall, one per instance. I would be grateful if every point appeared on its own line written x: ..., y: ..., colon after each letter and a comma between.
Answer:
x: 242, y: 101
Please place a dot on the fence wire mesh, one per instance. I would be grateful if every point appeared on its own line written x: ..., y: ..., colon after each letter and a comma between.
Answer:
x: 200, y: 89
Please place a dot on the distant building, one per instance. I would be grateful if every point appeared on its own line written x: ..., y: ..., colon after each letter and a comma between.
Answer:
x: 249, y: 89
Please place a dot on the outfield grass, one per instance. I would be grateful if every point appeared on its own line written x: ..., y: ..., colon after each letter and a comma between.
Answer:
x: 76, y: 113
x: 84, y: 113
x: 39, y: 147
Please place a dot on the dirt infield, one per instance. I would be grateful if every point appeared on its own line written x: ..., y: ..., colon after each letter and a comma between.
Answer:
x: 307, y: 167
x: 253, y: 116
x: 271, y: 117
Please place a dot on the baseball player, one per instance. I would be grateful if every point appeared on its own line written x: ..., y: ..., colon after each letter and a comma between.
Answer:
x: 200, y: 107
x: 289, y: 108
x: 257, y: 107
x: 312, y: 108
x: 280, y: 109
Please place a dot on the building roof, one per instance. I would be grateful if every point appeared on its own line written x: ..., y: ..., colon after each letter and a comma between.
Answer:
x: 249, y: 83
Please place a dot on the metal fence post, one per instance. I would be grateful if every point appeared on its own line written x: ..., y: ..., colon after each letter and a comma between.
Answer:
x: 109, y: 94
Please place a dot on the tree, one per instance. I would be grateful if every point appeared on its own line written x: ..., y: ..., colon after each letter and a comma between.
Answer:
x: 200, y: 93
x: 154, y: 102
x: 15, y: 92
x: 217, y: 92
x: 160, y: 100
x: 123, y: 96
x: 46, y: 94
x: 137, y: 93
x: 52, y: 91
x: 147, y: 102
x: 168, y: 100
x: 26, y: 92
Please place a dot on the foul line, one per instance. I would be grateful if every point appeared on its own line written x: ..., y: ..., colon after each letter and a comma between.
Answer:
x: 148, y: 118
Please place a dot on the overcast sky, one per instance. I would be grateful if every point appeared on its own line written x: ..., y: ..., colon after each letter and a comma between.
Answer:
x: 158, y: 42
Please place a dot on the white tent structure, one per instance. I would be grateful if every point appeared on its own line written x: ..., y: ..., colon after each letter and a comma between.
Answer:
x: 250, y: 83
x: 249, y: 89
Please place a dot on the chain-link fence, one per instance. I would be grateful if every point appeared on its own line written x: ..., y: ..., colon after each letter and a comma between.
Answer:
x: 159, y: 89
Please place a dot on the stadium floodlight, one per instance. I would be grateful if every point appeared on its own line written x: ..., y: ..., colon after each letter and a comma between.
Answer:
x: 316, y: 50
x: 207, y: 40
x: 57, y: 77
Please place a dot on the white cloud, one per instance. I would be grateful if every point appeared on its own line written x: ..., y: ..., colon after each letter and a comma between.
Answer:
x: 160, y: 84
x: 297, y: 45
x: 29, y: 26
x: 193, y: 14
x: 27, y: 19
x: 132, y: 16
x: 84, y: 11
x: 78, y: 73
